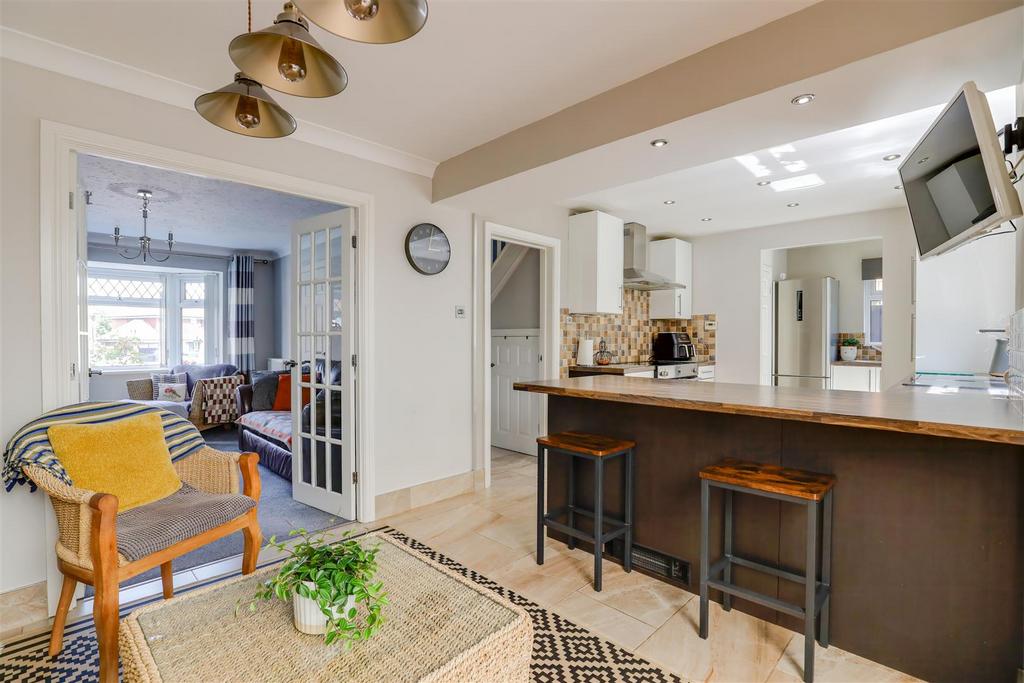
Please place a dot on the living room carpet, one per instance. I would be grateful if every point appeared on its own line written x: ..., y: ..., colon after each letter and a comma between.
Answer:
x: 562, y: 651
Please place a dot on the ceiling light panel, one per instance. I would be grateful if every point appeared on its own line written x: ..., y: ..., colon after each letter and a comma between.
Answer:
x: 799, y: 182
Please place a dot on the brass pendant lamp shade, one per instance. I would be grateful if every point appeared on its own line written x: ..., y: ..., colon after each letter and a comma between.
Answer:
x: 368, y: 21
x: 244, y: 107
x: 288, y: 59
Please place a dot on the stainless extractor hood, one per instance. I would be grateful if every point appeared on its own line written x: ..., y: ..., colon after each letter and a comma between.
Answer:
x: 635, y: 274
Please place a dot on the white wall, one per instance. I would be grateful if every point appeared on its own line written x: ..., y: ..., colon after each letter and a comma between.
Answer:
x: 841, y: 261
x: 726, y: 282
x: 283, y: 312
x: 959, y: 293
x: 422, y: 430
x: 517, y: 305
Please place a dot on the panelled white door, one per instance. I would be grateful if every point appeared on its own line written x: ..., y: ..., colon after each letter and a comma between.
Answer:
x: 323, y: 370
x: 515, y: 415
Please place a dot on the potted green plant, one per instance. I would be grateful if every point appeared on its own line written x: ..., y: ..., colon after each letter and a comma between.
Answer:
x: 848, y: 348
x: 330, y: 585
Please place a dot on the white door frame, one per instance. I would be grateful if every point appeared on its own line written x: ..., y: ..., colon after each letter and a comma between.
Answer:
x: 550, y: 296
x: 59, y: 143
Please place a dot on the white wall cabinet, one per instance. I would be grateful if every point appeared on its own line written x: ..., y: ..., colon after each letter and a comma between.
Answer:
x: 595, y: 263
x: 856, y: 378
x: 673, y: 259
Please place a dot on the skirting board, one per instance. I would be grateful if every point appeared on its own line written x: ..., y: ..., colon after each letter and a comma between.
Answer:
x: 400, y: 500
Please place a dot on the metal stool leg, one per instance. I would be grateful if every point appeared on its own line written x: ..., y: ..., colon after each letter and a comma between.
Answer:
x: 810, y: 583
x: 598, y: 519
x: 572, y: 499
x: 627, y: 497
x: 540, y: 504
x: 705, y: 497
x: 826, y: 568
x: 727, y: 542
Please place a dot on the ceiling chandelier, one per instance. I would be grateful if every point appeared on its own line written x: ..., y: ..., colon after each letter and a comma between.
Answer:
x: 285, y: 57
x: 145, y: 241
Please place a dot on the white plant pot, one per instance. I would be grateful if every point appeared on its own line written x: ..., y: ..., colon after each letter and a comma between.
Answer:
x: 308, y: 617
x: 848, y: 353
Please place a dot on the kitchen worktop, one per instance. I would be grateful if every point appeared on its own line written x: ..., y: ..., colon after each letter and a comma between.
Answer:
x: 858, y: 363
x: 977, y: 416
x: 614, y: 368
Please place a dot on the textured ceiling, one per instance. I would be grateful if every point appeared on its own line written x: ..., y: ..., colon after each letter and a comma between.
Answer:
x: 199, y: 210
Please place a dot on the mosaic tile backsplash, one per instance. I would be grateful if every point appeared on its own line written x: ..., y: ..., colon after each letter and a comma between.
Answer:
x: 863, y: 352
x: 629, y: 335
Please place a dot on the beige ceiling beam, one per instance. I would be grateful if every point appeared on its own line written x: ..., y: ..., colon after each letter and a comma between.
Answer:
x: 815, y: 40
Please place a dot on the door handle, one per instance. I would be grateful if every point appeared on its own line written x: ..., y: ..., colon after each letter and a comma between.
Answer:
x: 493, y: 364
x: 93, y: 373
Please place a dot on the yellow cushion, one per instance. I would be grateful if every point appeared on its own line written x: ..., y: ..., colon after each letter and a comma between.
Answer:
x: 128, y: 458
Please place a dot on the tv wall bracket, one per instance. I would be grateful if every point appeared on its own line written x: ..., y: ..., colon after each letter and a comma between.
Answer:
x: 1013, y: 136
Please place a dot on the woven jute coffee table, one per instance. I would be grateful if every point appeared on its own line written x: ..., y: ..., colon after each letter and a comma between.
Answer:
x: 440, y: 627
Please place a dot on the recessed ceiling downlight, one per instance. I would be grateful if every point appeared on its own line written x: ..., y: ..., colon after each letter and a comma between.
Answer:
x: 762, y: 183
x: 670, y: 202
x: 704, y: 220
x: 660, y: 142
x: 890, y: 157
x: 801, y: 100
x: 897, y: 187
x: 793, y: 204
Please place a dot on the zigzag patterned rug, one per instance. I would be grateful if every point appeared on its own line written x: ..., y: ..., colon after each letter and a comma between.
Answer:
x: 562, y: 651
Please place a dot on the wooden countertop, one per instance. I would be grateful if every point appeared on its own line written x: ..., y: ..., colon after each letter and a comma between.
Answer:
x: 859, y: 363
x: 962, y: 416
x: 613, y: 368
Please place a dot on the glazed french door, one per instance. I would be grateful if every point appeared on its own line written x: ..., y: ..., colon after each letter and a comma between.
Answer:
x: 323, y: 370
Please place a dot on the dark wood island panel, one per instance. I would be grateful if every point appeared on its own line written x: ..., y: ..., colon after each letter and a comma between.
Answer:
x: 928, y: 542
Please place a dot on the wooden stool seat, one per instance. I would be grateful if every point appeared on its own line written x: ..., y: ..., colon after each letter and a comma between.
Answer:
x: 770, y: 478
x: 586, y: 444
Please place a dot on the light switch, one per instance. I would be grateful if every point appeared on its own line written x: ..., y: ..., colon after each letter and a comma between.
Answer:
x: 460, y: 311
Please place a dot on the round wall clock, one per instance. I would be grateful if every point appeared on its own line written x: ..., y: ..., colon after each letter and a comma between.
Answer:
x: 428, y: 249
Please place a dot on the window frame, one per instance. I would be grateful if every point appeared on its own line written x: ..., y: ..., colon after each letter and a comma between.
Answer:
x: 170, y: 304
x: 872, y: 293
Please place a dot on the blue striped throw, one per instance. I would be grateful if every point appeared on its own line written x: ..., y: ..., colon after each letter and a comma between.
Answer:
x: 31, y: 446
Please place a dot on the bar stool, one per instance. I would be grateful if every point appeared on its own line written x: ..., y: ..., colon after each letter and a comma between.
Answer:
x: 810, y: 489
x: 597, y: 449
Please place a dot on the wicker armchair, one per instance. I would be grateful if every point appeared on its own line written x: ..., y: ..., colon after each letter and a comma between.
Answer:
x: 142, y: 390
x: 88, y: 547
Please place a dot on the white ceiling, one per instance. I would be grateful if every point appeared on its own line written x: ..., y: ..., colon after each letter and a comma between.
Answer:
x: 200, y: 211
x: 849, y: 161
x: 478, y: 69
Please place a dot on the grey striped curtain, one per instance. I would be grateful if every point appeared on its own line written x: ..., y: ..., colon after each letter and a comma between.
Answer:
x: 241, y: 328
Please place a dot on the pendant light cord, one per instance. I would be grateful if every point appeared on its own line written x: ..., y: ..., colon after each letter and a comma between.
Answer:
x: 250, y: 17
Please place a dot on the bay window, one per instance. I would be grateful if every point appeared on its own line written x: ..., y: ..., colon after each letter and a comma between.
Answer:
x: 149, y: 320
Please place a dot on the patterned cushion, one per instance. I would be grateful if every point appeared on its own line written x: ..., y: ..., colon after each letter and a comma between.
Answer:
x: 276, y: 424
x: 189, y: 512
x: 197, y: 372
x: 168, y: 378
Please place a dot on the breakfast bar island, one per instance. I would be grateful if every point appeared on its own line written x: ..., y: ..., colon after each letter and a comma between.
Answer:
x: 928, y: 526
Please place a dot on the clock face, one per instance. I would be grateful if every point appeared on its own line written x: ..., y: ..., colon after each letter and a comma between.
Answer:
x: 428, y: 249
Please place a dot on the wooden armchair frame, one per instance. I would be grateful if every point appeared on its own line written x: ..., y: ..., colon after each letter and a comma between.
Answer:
x: 87, y: 544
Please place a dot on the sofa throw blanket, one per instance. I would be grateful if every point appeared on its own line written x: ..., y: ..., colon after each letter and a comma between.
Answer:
x: 30, y: 445
x: 219, y: 399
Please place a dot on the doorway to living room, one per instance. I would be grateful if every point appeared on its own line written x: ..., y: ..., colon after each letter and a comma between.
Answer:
x: 185, y: 320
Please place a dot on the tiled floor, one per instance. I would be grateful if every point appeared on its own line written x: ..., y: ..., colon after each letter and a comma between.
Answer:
x: 492, y: 531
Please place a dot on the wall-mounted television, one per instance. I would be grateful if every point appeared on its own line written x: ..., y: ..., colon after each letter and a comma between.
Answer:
x: 956, y: 180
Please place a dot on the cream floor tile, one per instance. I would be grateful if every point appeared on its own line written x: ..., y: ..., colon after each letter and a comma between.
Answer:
x: 832, y: 665
x: 460, y: 520
x: 475, y: 551
x: 739, y: 647
x: 649, y: 600
x: 561, y: 575
x: 604, y: 620
x: 517, y: 530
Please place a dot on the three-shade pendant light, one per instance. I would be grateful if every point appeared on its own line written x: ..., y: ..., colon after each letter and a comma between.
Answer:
x: 285, y: 57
